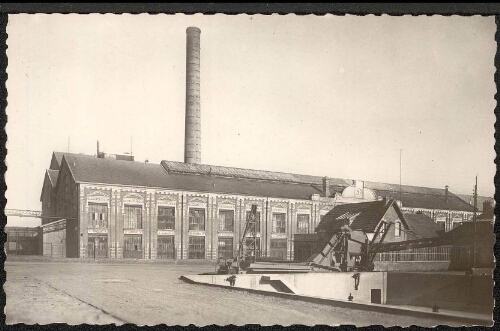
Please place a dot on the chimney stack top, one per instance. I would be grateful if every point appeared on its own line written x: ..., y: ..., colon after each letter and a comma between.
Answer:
x: 193, y: 29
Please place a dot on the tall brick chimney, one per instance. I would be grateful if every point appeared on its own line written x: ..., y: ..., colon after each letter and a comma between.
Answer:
x: 326, y: 187
x: 446, y: 193
x: 192, y: 138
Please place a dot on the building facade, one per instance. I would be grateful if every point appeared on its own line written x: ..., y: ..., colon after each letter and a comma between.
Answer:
x: 118, y: 208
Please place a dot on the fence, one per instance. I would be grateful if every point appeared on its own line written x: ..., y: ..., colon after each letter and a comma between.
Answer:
x: 427, y: 254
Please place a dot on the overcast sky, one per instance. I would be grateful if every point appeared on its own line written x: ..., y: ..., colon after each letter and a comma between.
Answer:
x: 335, y: 96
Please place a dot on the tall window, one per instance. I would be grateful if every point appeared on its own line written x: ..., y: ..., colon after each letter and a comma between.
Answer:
x: 226, y: 220
x: 132, y: 219
x: 257, y: 220
x: 225, y: 248
x: 302, y: 223
x: 279, y: 223
x: 196, y: 247
x: 197, y: 219
x: 166, y: 218
x: 98, y: 215
x: 397, y: 229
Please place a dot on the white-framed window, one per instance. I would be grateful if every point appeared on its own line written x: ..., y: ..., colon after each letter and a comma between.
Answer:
x: 197, y: 219
x: 226, y: 220
x: 302, y: 223
x: 279, y: 223
x: 98, y: 215
x: 166, y: 218
x: 397, y: 229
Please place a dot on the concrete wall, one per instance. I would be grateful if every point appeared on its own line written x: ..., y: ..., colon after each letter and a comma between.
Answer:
x: 447, y: 290
x: 327, y: 285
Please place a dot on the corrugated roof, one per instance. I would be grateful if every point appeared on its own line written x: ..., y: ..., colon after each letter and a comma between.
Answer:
x: 412, y: 196
x: 370, y: 214
x: 422, y: 225
x: 212, y: 170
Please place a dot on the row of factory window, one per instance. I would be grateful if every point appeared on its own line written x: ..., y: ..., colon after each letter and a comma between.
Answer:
x: 132, y: 219
x: 132, y: 248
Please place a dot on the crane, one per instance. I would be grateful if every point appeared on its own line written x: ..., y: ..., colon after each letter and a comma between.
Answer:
x: 247, y: 250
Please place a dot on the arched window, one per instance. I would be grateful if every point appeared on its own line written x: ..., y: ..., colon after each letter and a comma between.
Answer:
x: 397, y: 229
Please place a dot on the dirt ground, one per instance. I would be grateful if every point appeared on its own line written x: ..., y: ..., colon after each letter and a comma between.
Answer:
x: 151, y: 294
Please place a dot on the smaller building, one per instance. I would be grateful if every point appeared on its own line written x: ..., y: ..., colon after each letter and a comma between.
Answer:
x: 368, y: 222
x: 478, y: 237
x: 23, y: 240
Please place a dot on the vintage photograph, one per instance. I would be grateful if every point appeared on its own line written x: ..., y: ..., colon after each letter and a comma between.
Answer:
x: 250, y: 169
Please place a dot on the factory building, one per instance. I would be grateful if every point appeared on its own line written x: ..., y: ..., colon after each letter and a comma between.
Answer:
x: 111, y: 206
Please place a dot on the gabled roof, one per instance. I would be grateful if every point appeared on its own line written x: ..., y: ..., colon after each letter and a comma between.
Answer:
x: 422, y: 225
x: 49, y: 180
x: 56, y: 161
x: 97, y: 170
x: 369, y: 215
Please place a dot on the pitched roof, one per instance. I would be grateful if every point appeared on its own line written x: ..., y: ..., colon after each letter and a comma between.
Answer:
x: 429, y: 200
x: 48, y: 182
x: 366, y: 216
x: 57, y: 158
x: 98, y: 170
x: 422, y: 225
x: 412, y: 196
x: 243, y: 186
x: 231, y: 172
x: 469, y: 198
x: 210, y: 178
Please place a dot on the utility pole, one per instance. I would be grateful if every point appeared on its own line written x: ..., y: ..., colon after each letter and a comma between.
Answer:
x: 400, y: 171
x: 474, y: 218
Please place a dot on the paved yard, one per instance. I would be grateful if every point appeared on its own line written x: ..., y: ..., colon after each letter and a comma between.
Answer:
x: 150, y: 294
